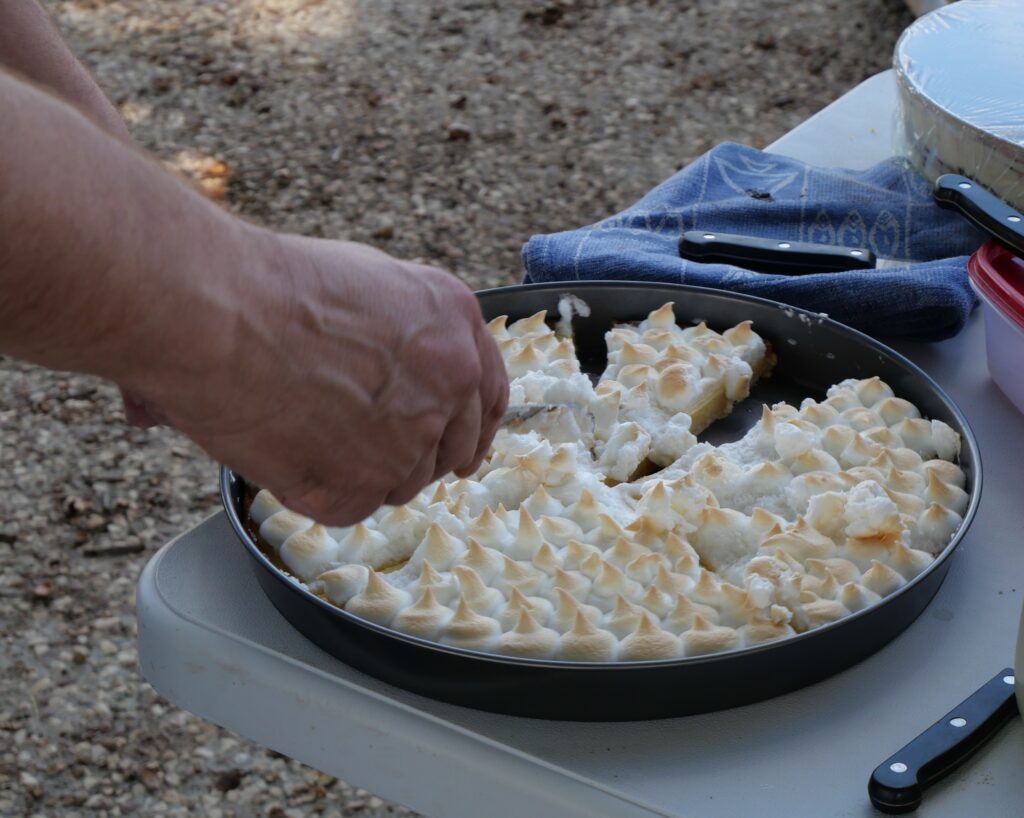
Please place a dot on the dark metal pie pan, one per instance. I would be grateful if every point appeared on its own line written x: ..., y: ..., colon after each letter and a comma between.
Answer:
x: 813, y: 353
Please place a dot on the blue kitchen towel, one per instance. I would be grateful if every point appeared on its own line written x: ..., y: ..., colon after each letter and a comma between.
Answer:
x: 737, y: 189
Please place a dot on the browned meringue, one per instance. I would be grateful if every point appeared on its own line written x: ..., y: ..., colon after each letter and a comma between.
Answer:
x: 587, y: 643
x: 703, y: 638
x: 763, y: 629
x: 558, y: 546
x: 528, y: 638
x: 468, y: 629
x: 379, y: 601
x: 685, y: 611
x: 648, y: 642
x: 426, y: 618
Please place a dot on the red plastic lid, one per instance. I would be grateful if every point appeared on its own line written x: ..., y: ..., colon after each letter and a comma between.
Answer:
x: 999, y: 274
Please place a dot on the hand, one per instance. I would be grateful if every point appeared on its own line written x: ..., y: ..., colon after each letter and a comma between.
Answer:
x: 356, y: 380
x: 332, y: 374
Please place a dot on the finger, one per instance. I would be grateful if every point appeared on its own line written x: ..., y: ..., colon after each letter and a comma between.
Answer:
x: 457, y: 449
x: 418, y: 479
x: 321, y: 500
x: 494, y: 396
x: 494, y: 392
x: 500, y: 384
x: 329, y: 507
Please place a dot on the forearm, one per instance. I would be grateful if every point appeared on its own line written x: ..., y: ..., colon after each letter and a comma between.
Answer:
x: 108, y: 264
x: 30, y: 46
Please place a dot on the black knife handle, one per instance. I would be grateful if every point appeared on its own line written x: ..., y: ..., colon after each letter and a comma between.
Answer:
x: 982, y: 208
x: 897, y: 783
x: 772, y: 255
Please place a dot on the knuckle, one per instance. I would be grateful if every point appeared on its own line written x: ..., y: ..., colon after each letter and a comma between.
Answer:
x: 463, y: 299
x: 431, y: 430
x: 472, y: 372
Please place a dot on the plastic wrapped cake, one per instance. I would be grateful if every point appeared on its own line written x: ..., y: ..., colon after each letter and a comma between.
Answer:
x: 958, y: 74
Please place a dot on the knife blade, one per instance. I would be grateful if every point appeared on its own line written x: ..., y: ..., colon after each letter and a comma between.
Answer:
x: 526, y: 411
x: 516, y: 414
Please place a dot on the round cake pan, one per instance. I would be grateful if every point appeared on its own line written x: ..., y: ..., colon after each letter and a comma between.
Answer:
x: 813, y: 353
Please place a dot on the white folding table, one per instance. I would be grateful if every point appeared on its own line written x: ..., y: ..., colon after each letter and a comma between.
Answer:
x: 210, y: 642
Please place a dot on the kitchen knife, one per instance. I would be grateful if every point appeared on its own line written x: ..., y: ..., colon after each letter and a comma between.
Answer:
x: 515, y: 414
x: 523, y: 412
x: 772, y: 255
x: 984, y: 209
x: 897, y: 784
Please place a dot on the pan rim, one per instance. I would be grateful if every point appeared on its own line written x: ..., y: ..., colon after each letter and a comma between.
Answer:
x: 968, y: 441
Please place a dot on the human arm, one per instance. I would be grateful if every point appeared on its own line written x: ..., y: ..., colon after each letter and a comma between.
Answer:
x: 332, y: 374
x: 31, y: 47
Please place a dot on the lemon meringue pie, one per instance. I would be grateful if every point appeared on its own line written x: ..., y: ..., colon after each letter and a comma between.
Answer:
x: 611, y: 534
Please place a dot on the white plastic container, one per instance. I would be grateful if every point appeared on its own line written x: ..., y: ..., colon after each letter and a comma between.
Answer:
x: 997, y: 276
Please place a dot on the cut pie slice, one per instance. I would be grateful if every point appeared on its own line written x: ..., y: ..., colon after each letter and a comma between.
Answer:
x: 693, y: 370
x: 674, y: 382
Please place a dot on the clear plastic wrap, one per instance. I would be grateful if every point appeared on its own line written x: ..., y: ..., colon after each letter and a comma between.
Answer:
x: 959, y: 76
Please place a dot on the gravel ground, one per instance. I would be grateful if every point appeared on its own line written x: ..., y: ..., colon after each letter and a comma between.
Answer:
x: 444, y: 131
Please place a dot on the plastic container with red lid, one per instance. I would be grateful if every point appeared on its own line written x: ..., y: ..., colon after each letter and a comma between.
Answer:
x: 997, y: 276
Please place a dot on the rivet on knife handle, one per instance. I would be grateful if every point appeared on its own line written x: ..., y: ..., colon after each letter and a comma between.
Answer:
x: 897, y: 784
x: 777, y: 256
x: 983, y: 208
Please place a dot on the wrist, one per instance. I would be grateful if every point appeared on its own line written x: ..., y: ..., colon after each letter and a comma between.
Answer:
x: 212, y: 306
